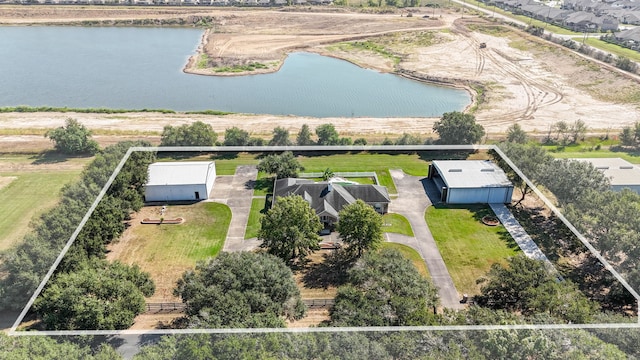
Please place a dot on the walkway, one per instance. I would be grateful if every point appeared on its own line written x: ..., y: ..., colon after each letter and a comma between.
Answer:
x: 526, y: 243
x: 412, y: 203
x: 237, y: 191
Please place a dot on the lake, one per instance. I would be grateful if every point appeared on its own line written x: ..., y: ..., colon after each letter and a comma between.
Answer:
x: 136, y: 68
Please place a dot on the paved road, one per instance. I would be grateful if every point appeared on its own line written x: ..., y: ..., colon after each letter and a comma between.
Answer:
x: 525, y: 242
x: 411, y: 203
x: 237, y: 191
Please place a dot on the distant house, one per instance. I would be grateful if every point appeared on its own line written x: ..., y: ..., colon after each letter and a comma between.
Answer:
x: 328, y: 198
x: 629, y: 38
x: 621, y: 173
x: 585, y: 21
x: 470, y: 182
x: 180, y: 181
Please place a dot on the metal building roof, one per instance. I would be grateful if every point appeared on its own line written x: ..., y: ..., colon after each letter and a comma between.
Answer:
x: 619, y: 171
x: 180, y: 173
x: 471, y: 173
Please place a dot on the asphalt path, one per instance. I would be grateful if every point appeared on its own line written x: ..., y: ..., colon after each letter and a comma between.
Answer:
x: 237, y: 192
x: 412, y: 203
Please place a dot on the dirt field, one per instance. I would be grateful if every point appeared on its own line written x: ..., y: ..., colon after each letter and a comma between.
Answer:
x: 526, y: 81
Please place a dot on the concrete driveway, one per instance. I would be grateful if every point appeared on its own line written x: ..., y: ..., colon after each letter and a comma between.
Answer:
x: 411, y: 203
x: 237, y: 192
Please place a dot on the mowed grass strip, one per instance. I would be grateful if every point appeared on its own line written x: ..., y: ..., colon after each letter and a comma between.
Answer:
x: 29, y: 194
x: 255, y: 214
x: 468, y: 247
x: 410, y: 254
x: 396, y: 223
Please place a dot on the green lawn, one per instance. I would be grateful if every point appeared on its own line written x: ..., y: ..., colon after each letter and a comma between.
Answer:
x: 29, y: 194
x: 201, y: 236
x: 612, y: 48
x: 582, y: 152
x: 410, y: 254
x: 380, y: 163
x: 396, y: 223
x: 253, y: 224
x: 468, y: 247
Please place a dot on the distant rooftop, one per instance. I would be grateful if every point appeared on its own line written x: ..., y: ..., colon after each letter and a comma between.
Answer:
x: 180, y: 173
x: 471, y: 173
x: 619, y: 171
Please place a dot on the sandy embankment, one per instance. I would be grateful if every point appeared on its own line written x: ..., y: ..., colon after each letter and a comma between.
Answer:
x: 535, y: 88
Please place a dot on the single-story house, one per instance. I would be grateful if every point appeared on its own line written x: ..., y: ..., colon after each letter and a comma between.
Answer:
x: 470, y: 182
x: 180, y: 181
x: 621, y: 173
x: 327, y: 198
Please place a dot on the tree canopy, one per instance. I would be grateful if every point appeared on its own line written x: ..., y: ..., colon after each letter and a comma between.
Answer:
x: 384, y: 289
x: 73, y: 138
x: 236, y: 137
x: 280, y: 137
x: 240, y: 289
x: 195, y: 134
x: 49, y: 348
x: 327, y: 135
x: 525, y: 285
x: 99, y: 296
x: 458, y: 128
x: 282, y: 165
x: 360, y: 226
x: 515, y: 134
x: 290, y: 229
x: 304, y: 136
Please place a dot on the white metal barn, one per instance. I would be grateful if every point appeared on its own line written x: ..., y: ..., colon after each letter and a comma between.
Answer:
x: 621, y: 173
x: 180, y: 181
x: 470, y: 182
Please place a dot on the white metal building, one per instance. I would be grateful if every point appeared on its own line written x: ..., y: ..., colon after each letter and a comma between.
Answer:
x: 621, y: 173
x: 180, y: 181
x: 470, y: 181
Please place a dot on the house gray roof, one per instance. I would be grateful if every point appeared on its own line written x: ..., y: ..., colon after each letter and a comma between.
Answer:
x: 329, y: 198
x: 631, y: 34
x: 619, y: 171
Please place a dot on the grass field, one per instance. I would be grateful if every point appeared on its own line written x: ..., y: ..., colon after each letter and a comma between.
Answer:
x: 396, y: 223
x: 410, y: 254
x: 253, y: 224
x: 199, y: 237
x: 380, y: 163
x: 581, y: 152
x: 166, y: 251
x: 609, y: 47
x: 412, y: 164
x: 26, y: 196
x: 468, y: 247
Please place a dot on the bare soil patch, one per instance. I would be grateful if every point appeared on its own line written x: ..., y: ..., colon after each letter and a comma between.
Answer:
x: 6, y: 180
x: 526, y: 80
x: 317, y: 279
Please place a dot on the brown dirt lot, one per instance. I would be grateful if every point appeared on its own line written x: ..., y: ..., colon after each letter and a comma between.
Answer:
x: 526, y: 80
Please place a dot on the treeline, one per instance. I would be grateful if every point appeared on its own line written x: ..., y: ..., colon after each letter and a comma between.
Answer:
x: 30, y: 109
x: 80, y: 280
x: 492, y: 344
x: 609, y: 219
x: 630, y: 135
x: 453, y: 128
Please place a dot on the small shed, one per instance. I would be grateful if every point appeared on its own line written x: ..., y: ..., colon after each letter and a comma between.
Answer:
x: 180, y: 181
x: 470, y: 182
x: 621, y: 173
